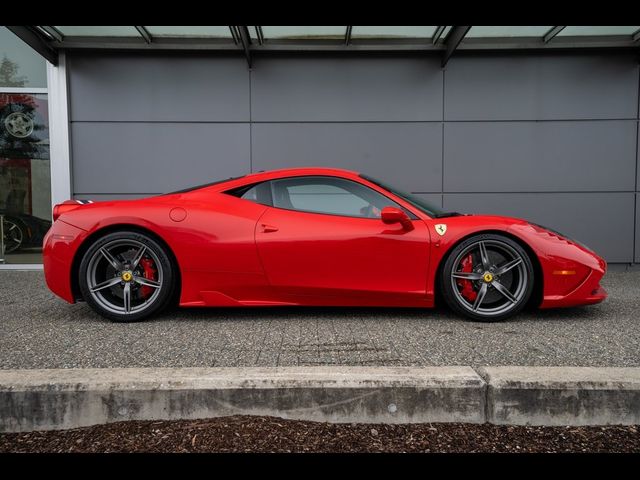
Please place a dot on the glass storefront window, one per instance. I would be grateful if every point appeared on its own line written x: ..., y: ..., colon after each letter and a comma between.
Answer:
x: 25, y: 184
x: 25, y: 172
x: 20, y: 66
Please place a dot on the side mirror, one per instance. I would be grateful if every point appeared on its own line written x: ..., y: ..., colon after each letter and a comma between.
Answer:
x: 390, y: 215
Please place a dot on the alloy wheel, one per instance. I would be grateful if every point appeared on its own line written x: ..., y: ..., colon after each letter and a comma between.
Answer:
x: 489, y: 278
x: 13, y: 236
x: 124, y: 276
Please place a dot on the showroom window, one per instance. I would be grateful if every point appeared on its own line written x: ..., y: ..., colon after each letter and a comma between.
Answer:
x: 25, y: 174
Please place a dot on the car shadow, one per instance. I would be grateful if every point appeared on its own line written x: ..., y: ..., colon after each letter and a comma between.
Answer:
x: 588, y: 313
x: 438, y: 313
x: 299, y: 312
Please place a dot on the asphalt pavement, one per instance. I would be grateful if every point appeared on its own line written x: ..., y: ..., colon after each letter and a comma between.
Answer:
x: 39, y: 330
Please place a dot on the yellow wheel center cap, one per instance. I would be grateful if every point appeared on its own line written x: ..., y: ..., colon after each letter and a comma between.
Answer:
x: 127, y: 276
x: 488, y: 277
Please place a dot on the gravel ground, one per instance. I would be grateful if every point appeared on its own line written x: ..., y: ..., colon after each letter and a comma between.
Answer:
x: 39, y: 330
x: 269, y: 434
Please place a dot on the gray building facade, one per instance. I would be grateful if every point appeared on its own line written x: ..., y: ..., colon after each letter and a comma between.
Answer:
x: 547, y: 136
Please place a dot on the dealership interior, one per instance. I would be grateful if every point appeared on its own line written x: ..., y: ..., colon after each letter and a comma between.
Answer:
x: 537, y: 122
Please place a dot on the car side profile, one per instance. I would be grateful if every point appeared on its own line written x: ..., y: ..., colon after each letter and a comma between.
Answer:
x: 310, y: 237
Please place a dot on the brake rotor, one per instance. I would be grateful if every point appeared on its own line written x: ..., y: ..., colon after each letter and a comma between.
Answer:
x: 146, y: 268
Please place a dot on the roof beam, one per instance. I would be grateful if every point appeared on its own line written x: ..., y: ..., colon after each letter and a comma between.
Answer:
x: 552, y: 33
x: 234, y: 34
x: 245, y: 40
x: 437, y: 34
x: 635, y: 36
x: 259, y: 34
x: 456, y: 34
x: 347, y: 35
x: 54, y: 32
x: 144, y: 33
x: 160, y: 43
x: 36, y: 40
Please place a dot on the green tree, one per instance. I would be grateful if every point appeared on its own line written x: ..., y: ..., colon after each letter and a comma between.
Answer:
x: 8, y: 74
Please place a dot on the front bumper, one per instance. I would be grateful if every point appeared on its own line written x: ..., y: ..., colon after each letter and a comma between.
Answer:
x: 571, y: 272
x: 587, y: 293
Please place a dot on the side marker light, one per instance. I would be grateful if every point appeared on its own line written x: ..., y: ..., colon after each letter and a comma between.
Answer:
x: 564, y: 272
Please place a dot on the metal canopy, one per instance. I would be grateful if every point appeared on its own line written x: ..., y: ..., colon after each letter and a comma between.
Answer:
x: 248, y: 40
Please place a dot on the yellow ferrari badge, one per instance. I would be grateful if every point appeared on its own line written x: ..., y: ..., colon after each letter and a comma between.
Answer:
x: 441, y: 229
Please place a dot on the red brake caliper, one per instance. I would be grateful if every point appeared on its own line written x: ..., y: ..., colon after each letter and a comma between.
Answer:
x: 467, y: 285
x: 150, y: 273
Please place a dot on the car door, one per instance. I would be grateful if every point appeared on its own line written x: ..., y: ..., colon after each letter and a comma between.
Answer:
x: 323, y: 237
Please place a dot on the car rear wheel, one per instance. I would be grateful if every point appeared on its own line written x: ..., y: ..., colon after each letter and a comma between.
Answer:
x: 487, y: 278
x: 126, y: 276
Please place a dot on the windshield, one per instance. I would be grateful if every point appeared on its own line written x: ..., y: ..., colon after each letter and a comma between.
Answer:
x: 421, y: 204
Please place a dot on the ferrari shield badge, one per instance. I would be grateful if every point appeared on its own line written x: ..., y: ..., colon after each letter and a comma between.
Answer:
x: 441, y: 229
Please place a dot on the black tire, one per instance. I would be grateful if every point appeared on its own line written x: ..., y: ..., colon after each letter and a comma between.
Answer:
x: 105, y: 300
x: 506, y: 292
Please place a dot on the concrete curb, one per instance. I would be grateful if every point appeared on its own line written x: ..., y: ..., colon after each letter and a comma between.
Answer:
x: 562, y: 395
x: 61, y: 399
x: 70, y: 398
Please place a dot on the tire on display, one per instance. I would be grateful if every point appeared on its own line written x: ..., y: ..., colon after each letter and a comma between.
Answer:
x: 14, y: 234
x: 487, y: 277
x: 126, y: 276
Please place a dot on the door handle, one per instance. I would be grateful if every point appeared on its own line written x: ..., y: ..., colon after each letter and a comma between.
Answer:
x: 268, y: 228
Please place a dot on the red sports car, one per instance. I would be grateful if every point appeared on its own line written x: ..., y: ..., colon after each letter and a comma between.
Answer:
x: 308, y: 236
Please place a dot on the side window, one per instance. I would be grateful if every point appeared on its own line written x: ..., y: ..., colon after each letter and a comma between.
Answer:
x: 259, y: 193
x: 330, y: 195
x: 251, y: 194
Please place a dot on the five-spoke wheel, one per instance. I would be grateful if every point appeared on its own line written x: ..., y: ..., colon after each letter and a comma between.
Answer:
x: 126, y: 276
x: 487, y: 277
x: 13, y: 235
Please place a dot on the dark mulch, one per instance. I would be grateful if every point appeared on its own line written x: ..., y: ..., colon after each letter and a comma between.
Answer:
x: 269, y: 434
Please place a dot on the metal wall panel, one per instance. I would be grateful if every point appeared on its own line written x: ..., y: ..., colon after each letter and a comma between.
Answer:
x: 540, y: 156
x: 149, y: 123
x: 408, y: 155
x: 346, y: 89
x: 541, y: 86
x: 603, y: 221
x: 637, y: 259
x: 155, y: 157
x: 158, y: 87
x: 638, y: 158
x: 433, y: 198
x: 103, y: 197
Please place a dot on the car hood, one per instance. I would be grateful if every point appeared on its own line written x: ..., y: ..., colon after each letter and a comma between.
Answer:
x: 482, y: 219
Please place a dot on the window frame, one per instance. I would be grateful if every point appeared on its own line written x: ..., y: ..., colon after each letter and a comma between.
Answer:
x: 245, y: 188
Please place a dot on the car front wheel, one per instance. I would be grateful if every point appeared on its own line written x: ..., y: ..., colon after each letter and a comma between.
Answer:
x: 487, y: 277
x: 126, y: 276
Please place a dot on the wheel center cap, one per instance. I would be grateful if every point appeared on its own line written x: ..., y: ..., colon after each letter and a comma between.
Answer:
x: 488, y: 277
x: 126, y: 276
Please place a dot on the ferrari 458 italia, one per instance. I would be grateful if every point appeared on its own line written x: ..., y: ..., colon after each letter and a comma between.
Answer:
x: 312, y: 237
